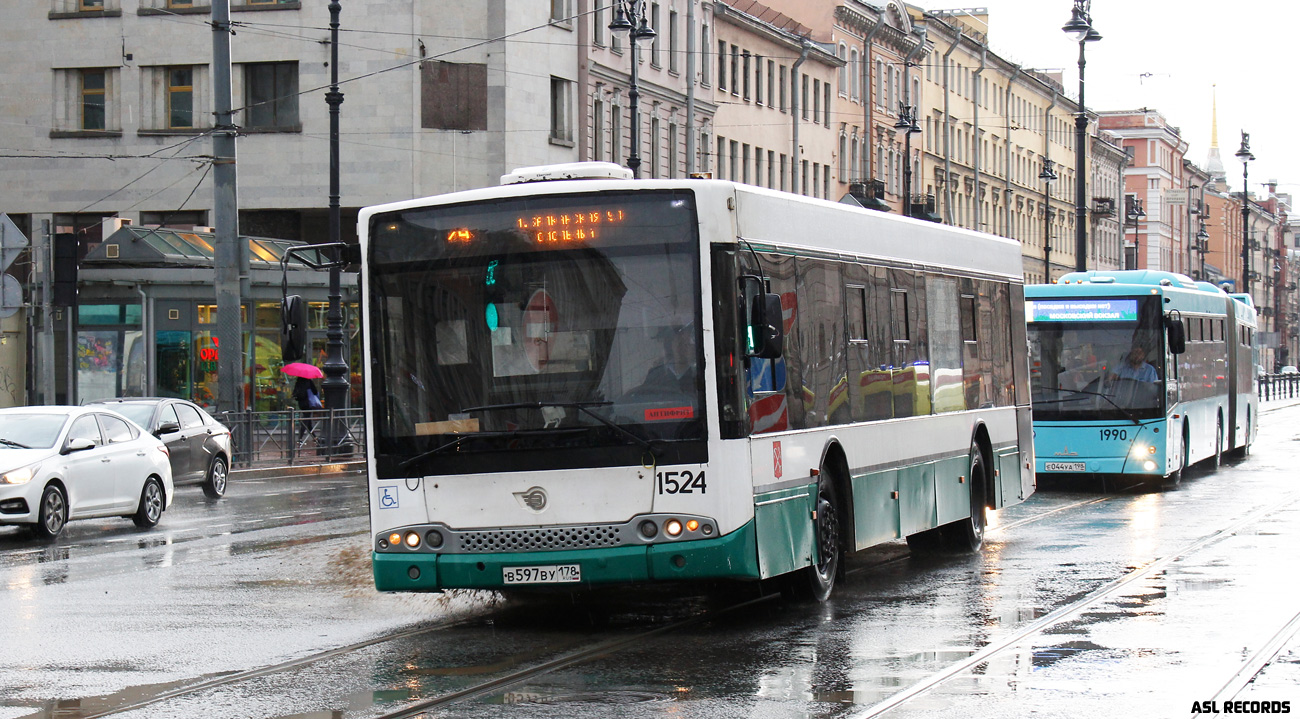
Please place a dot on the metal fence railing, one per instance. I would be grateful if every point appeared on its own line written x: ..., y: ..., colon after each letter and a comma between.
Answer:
x: 296, y: 437
x: 1279, y: 386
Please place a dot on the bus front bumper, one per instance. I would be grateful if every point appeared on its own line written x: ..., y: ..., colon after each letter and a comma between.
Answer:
x: 733, y: 556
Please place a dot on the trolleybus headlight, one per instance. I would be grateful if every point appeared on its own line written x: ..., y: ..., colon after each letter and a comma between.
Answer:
x: 673, y: 527
x: 1149, y: 466
x: 692, y: 525
x: 412, y: 539
x: 648, y: 529
x: 434, y: 538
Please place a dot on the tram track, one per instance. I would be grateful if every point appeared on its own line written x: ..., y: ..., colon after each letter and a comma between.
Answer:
x: 1107, y: 591
x: 1248, y: 670
x: 568, y: 659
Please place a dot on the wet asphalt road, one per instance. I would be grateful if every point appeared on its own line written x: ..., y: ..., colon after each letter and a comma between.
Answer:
x: 1085, y: 601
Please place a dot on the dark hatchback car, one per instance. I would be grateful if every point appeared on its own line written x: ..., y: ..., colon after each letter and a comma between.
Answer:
x: 200, y: 446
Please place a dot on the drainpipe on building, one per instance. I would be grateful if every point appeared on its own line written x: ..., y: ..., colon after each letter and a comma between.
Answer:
x: 805, y: 46
x: 947, y: 132
x: 146, y: 324
x: 1006, y: 156
x: 584, y: 78
x: 979, y: 214
x: 690, y: 87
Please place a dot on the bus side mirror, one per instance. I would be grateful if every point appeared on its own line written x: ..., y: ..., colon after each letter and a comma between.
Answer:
x: 766, y: 326
x: 1177, y: 336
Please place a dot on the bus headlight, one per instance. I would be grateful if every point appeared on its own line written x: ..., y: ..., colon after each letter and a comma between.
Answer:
x: 1149, y: 466
x: 413, y: 539
x: 673, y: 527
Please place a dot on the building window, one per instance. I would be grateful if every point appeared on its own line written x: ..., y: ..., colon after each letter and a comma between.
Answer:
x: 704, y: 53
x: 560, y: 11
x: 616, y: 135
x: 180, y: 97
x: 735, y: 70
x: 94, y: 99
x: 654, y: 147
x: 271, y: 96
x: 826, y: 104
x: 597, y: 131
x: 654, y: 44
x: 854, y: 74
x: 561, y: 110
x: 672, y: 41
x: 816, y: 99
x: 453, y: 96
x: 803, y: 96
x: 783, y: 86
x: 672, y: 150
x: 722, y: 64
x: 733, y: 160
x: 842, y: 74
x: 844, y: 148
x: 598, y: 24
x: 745, y: 72
x: 771, y: 83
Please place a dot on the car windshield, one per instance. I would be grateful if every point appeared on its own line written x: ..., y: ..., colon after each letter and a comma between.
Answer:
x: 138, y: 412
x: 34, y: 430
x: 538, y: 332
x: 1096, y: 358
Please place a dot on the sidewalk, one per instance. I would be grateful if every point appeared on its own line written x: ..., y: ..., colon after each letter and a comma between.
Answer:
x: 304, y: 470
x: 1273, y: 405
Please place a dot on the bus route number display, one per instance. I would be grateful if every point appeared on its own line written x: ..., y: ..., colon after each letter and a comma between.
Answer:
x: 1082, y: 310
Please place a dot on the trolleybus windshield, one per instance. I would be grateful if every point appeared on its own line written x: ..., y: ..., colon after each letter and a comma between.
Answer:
x: 1096, y: 358
x: 542, y: 332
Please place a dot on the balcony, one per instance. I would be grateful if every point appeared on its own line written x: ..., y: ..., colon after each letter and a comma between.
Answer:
x: 1103, y: 207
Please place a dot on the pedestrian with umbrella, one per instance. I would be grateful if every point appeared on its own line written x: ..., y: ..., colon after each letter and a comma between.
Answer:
x: 304, y: 389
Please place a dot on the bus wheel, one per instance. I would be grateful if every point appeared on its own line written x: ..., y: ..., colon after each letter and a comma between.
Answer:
x: 967, y: 535
x: 816, y: 582
x: 1176, y: 476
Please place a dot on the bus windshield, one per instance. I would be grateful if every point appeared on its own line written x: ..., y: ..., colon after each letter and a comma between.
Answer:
x: 543, y: 332
x: 1096, y: 358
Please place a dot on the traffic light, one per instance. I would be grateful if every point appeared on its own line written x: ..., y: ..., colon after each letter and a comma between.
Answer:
x: 293, y: 329
x: 64, y: 293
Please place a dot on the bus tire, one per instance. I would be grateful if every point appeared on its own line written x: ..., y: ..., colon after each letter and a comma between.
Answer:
x: 1175, y: 477
x: 816, y: 581
x: 967, y: 535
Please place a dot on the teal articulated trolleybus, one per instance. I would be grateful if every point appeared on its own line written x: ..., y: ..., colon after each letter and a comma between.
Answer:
x: 1139, y: 373
x: 578, y: 379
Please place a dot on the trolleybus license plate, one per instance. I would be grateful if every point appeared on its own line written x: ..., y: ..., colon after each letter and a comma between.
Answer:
x: 550, y: 574
x: 1065, y: 467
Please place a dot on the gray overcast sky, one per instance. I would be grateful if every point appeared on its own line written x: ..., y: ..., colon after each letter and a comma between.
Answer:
x: 1168, y: 55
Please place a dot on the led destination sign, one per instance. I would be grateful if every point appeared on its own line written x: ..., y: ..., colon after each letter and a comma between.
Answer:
x: 552, y: 228
x: 1093, y: 310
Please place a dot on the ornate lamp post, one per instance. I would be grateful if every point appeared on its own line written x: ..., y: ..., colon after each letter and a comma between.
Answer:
x: 1047, y: 176
x: 630, y: 22
x: 907, y: 123
x: 1133, y: 214
x: 1202, y: 247
x: 1080, y: 28
x: 1244, y: 155
x: 336, y: 383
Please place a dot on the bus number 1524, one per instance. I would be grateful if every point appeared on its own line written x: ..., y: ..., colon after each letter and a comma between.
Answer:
x: 1120, y: 434
x: 683, y: 482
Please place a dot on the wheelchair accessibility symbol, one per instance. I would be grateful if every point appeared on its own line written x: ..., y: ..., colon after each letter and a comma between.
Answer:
x: 388, y: 497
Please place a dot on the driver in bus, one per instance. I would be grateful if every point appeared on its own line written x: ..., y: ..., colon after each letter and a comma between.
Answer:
x: 1136, y: 367
x: 676, y: 373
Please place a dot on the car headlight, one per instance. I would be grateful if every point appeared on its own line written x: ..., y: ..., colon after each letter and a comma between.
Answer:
x: 22, y: 475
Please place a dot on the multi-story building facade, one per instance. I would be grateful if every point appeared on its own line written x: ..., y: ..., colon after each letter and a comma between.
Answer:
x: 990, y: 127
x: 773, y: 88
x: 1155, y: 178
x: 1106, y: 163
x: 675, y: 105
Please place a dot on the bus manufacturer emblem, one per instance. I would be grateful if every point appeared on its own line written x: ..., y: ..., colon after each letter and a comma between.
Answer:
x: 776, y: 459
x: 534, y: 499
x: 1067, y: 453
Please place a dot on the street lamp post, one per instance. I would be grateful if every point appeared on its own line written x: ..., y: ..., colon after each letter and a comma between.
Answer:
x: 1133, y: 214
x: 1244, y: 155
x: 630, y: 22
x: 1080, y: 28
x: 335, y: 385
x: 1047, y: 176
x: 1202, y: 247
x: 907, y: 123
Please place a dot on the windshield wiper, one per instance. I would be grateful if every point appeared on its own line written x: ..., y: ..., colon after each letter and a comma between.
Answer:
x: 11, y: 443
x: 435, y: 450
x: 581, y: 407
x: 1104, y: 396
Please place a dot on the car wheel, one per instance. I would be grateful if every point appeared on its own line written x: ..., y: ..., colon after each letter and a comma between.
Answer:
x: 151, y: 504
x: 218, y: 472
x: 54, y: 513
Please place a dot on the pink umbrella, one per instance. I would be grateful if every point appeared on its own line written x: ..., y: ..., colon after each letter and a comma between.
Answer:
x: 302, y: 369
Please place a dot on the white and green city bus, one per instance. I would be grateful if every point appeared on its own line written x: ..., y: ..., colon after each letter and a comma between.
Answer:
x: 579, y: 379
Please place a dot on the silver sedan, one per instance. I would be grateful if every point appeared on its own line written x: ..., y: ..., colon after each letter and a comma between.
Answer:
x: 63, y: 463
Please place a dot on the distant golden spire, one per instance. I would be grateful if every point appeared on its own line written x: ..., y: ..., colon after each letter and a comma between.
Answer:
x: 1214, y: 116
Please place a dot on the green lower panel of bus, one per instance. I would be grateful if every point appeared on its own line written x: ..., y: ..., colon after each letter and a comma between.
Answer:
x: 734, y: 556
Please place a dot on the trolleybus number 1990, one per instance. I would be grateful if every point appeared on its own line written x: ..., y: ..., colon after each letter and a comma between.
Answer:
x: 1120, y: 434
x: 683, y: 482
x: 550, y: 574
